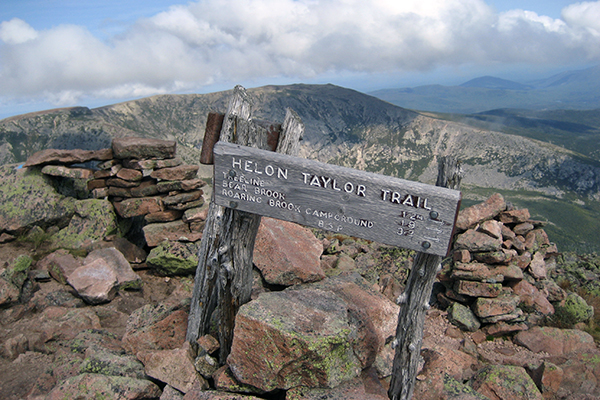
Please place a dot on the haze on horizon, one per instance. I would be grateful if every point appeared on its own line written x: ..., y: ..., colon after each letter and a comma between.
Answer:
x: 66, y: 53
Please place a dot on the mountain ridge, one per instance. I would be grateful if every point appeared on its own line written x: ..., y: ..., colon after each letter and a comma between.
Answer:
x: 343, y: 127
x: 576, y: 90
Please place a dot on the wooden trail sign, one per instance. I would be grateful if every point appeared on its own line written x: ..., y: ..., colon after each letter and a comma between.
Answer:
x: 384, y: 209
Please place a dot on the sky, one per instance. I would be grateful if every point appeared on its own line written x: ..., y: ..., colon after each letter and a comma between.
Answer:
x: 96, y: 52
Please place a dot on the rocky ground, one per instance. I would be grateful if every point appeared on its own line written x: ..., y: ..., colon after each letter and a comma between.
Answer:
x: 85, y: 313
x: 42, y: 346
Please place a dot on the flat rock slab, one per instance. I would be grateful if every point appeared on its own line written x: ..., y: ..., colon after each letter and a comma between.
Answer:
x: 180, y: 173
x: 67, y: 172
x: 54, y: 156
x: 138, y: 206
x: 140, y: 148
x: 471, y: 216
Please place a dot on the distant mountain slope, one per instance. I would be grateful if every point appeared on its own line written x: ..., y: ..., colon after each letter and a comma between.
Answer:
x: 577, y: 130
x: 491, y: 82
x: 578, y: 90
x: 344, y: 127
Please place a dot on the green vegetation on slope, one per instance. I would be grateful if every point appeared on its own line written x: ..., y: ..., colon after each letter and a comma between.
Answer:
x: 572, y: 222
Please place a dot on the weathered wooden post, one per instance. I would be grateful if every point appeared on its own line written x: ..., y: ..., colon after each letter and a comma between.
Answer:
x: 223, y: 280
x: 414, y: 302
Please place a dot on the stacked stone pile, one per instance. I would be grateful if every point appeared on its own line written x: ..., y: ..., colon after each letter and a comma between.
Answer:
x: 146, y: 184
x: 500, y: 270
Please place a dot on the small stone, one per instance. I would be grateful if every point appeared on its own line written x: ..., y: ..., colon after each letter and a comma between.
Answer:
x: 555, y: 341
x: 188, y: 205
x: 523, y: 228
x: 95, y: 282
x: 208, y: 343
x: 182, y: 198
x: 478, y: 289
x: 195, y: 214
x: 463, y: 317
x: 506, y: 303
x: 492, y: 228
x: 287, y: 253
x: 96, y: 183
x: 475, y: 241
x: 536, y: 239
x: 173, y: 258
x: 532, y: 298
x: 507, y: 233
x: 115, y: 191
x: 60, y: 265
x: 475, y: 272
x: 109, y: 172
x: 172, y: 367
x: 145, y: 189
x: 501, y: 328
x: 180, y: 185
x: 129, y: 174
x: 494, y: 257
x: 548, y: 377
x: 537, y: 266
x: 205, y: 364
x: 462, y: 256
x: 573, y: 309
x: 515, y: 216
x: 138, y: 206
x: 121, y: 183
x: 177, y: 230
x: 163, y: 216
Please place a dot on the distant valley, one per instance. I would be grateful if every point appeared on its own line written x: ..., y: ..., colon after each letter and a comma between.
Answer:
x: 529, y: 157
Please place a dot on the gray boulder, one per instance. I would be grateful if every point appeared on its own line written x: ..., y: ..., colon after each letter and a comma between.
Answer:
x: 28, y: 199
x: 93, y: 220
x: 294, y: 338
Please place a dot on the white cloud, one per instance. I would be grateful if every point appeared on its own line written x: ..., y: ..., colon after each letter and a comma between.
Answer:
x: 188, y: 47
x: 585, y: 15
x: 16, y: 31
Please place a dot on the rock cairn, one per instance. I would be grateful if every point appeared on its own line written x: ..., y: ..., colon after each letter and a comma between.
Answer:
x: 498, y: 279
x: 147, y: 185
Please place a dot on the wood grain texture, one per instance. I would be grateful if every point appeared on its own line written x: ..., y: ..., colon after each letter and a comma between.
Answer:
x: 223, y: 280
x: 388, y: 210
x: 414, y: 303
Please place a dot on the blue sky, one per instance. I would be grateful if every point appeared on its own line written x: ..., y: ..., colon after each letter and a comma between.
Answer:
x: 96, y: 52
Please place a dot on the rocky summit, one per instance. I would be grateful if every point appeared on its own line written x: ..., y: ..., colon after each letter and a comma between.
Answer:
x: 99, y: 251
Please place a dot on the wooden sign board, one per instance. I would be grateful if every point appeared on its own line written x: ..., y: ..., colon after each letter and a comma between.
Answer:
x: 384, y: 209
